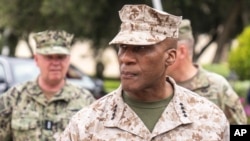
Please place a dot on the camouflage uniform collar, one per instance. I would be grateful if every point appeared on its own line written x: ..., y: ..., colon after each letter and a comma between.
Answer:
x: 117, y: 113
x: 199, y: 81
x: 34, y: 91
x: 181, y: 106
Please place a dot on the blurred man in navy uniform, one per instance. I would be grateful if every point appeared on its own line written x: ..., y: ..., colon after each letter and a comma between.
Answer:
x: 40, y: 109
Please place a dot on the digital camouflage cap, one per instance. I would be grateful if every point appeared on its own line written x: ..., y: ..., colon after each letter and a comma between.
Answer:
x: 143, y: 25
x: 185, y: 30
x: 53, y: 42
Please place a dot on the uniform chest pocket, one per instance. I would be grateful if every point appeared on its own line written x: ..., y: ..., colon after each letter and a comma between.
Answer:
x: 24, y: 124
x: 25, y: 129
x: 23, y: 120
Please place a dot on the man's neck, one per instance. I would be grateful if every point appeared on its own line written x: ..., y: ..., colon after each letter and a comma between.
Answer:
x: 153, y: 95
x: 185, y: 73
x: 50, y: 89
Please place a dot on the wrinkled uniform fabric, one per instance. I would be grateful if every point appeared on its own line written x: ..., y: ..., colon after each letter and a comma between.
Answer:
x: 217, y: 89
x: 26, y: 115
x: 188, y: 117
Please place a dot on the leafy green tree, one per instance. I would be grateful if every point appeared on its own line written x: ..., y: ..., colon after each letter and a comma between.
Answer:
x: 222, y: 20
x: 98, y: 20
x: 18, y: 19
x: 239, y: 56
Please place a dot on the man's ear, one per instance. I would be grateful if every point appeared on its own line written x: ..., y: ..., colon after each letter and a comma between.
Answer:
x: 36, y: 59
x: 170, y: 56
x: 182, y: 51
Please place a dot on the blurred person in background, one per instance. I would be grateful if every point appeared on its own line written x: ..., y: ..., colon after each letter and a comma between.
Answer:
x: 40, y: 109
x: 148, y: 106
x: 248, y: 96
x: 208, y: 84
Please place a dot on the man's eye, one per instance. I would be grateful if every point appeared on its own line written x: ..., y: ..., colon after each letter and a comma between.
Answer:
x: 61, y: 57
x: 138, y: 48
x: 51, y: 57
x: 48, y: 57
x: 122, y: 46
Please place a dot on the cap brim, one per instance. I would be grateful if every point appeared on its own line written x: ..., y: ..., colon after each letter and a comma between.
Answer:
x: 53, y: 50
x: 137, y: 38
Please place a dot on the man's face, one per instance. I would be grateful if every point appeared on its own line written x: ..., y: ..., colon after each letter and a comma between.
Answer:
x: 53, y: 68
x: 143, y: 67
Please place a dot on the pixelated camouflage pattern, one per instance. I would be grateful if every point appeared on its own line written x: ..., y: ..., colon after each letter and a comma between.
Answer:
x: 188, y: 117
x: 185, y: 30
x: 143, y: 25
x: 217, y: 89
x: 24, y: 111
x: 53, y: 42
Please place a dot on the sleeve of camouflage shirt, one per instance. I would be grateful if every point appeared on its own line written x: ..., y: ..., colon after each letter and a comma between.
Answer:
x: 232, y: 105
x: 6, y: 102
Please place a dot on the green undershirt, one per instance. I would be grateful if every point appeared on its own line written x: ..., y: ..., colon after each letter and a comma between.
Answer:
x: 149, y: 112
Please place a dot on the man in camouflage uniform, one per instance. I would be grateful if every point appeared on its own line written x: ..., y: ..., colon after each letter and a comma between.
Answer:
x: 148, y: 106
x: 39, y: 110
x: 208, y: 84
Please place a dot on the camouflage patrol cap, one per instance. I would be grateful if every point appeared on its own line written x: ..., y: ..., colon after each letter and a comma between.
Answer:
x: 185, y: 30
x: 53, y: 42
x: 143, y: 25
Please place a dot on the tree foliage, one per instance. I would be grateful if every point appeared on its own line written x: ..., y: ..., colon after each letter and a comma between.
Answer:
x: 98, y: 20
x: 222, y: 20
x: 239, y: 57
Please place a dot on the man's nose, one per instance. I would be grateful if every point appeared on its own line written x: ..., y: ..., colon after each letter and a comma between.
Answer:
x: 127, y: 57
x: 55, y: 60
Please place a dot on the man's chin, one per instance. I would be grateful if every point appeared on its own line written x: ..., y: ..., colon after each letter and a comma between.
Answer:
x: 129, y: 87
x: 55, y: 80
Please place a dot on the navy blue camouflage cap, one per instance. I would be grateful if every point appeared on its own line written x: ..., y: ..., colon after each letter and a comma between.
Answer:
x: 53, y: 42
